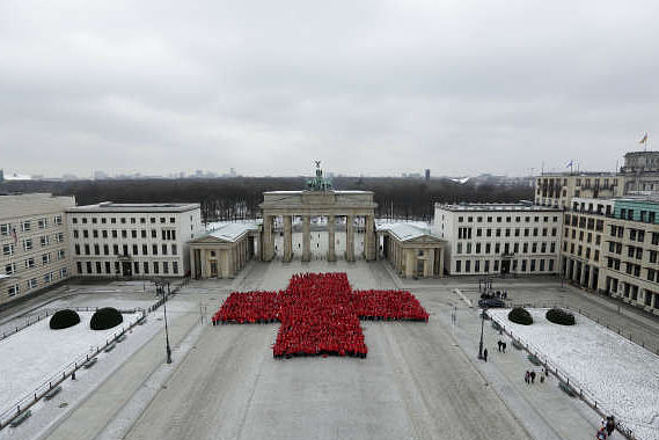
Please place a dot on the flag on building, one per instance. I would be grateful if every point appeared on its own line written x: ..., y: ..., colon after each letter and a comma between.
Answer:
x: 13, y: 234
x: 569, y: 164
x: 644, y: 138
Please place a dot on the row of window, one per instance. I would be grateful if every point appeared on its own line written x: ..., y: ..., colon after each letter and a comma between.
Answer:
x: 633, y: 234
x: 632, y: 269
x: 584, y: 222
x: 28, y: 244
x: 508, y: 219
x: 543, y: 265
x: 588, y: 237
x: 30, y: 262
x: 632, y: 291
x: 33, y: 283
x: 121, y: 220
x: 465, y: 233
x: 165, y: 234
x: 125, y: 249
x: 633, y: 251
x: 580, y: 251
x: 645, y: 216
x: 7, y: 229
x: 486, y: 248
x: 127, y: 269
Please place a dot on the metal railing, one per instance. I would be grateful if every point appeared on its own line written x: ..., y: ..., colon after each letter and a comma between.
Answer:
x: 570, y: 382
x: 27, y: 401
x: 33, y: 319
x: 625, y: 333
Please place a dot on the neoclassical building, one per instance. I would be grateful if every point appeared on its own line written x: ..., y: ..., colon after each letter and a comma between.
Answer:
x: 411, y: 250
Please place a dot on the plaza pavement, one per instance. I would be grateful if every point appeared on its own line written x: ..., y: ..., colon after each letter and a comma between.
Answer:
x: 420, y: 381
x: 415, y: 383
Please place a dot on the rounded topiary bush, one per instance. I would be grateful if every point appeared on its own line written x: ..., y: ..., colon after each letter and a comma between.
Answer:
x: 560, y: 316
x: 106, y: 318
x: 520, y: 315
x: 64, y: 319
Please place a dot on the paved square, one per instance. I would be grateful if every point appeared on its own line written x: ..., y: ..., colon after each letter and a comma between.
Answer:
x: 414, y: 384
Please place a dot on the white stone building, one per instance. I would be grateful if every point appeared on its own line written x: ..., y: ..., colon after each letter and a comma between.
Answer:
x: 34, y: 243
x: 497, y: 238
x: 140, y: 240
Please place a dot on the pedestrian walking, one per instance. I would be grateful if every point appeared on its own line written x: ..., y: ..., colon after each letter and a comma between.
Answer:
x: 503, y: 346
x: 527, y: 377
x: 542, y: 379
x: 499, y: 344
x: 485, y: 355
x: 532, y: 376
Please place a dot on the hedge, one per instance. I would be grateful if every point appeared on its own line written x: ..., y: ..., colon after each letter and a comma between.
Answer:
x: 106, y: 318
x: 520, y: 315
x: 560, y: 316
x: 64, y: 319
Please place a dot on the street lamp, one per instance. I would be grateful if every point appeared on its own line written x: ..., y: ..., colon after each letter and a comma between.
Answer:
x: 160, y: 286
x: 480, y: 344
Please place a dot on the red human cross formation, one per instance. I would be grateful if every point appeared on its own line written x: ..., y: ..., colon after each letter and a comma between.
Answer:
x: 319, y: 314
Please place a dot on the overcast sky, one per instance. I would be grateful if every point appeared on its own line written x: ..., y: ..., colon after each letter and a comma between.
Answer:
x: 370, y: 87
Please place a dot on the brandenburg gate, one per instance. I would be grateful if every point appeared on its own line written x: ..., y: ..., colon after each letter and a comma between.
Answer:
x: 319, y: 199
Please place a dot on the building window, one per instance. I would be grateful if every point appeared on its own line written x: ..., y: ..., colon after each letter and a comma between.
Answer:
x: 145, y: 266
x: 156, y: 267
x: 32, y: 283
x: 10, y: 269
x: 45, y: 258
x: 174, y: 267
x: 458, y: 266
x: 89, y: 267
x: 107, y: 267
x: 8, y: 250
x: 165, y: 267
x: 26, y: 226
x: 174, y: 250
x: 61, y: 254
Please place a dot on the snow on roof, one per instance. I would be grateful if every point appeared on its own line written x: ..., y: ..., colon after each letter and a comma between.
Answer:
x: 232, y: 231
x: 405, y: 231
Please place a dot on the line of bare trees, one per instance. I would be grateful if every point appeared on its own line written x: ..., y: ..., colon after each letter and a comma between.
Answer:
x: 239, y: 197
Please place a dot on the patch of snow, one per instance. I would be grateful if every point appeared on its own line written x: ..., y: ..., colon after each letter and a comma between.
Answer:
x: 621, y: 376
x: 36, y: 354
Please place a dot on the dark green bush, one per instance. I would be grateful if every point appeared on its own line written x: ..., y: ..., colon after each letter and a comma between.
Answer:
x: 560, y: 316
x: 64, y: 319
x: 106, y: 318
x: 520, y: 315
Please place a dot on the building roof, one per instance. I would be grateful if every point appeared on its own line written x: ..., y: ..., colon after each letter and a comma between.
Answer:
x: 503, y: 207
x: 231, y: 231
x: 406, y: 231
x: 135, y: 207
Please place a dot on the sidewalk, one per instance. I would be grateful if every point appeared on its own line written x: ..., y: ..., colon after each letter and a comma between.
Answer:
x: 93, y: 414
x: 544, y: 410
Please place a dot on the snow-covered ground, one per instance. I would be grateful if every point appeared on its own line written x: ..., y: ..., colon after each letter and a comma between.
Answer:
x: 33, y: 355
x: 620, y: 375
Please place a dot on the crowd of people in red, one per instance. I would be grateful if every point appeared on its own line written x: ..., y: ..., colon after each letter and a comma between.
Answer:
x: 248, y: 307
x: 389, y: 305
x: 319, y: 314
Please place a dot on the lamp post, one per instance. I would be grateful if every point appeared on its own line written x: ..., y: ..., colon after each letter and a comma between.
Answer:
x: 160, y: 285
x: 480, y: 344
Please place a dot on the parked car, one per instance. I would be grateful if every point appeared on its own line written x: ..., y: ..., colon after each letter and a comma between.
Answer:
x: 491, y: 303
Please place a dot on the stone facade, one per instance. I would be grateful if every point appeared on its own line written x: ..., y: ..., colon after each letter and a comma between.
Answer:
x: 34, y: 242
x: 132, y: 240
x: 499, y: 238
